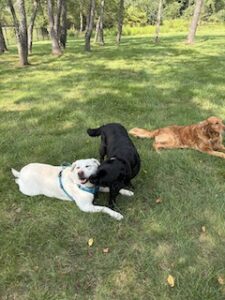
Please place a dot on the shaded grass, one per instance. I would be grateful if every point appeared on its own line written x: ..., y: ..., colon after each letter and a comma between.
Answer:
x: 45, y: 110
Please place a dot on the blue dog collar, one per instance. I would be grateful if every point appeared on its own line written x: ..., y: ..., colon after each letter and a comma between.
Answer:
x: 91, y: 190
x: 62, y: 187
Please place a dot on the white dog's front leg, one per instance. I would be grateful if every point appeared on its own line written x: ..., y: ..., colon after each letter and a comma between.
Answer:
x: 96, y: 208
x: 123, y: 192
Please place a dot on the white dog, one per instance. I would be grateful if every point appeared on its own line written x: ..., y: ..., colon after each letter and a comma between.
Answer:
x: 65, y: 183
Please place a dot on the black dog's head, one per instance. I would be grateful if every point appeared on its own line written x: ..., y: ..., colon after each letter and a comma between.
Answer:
x: 109, y: 171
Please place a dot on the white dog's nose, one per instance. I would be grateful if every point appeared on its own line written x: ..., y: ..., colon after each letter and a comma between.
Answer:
x: 80, y: 174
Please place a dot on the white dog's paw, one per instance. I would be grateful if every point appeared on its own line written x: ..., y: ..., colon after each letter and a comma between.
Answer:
x: 118, y: 216
x: 126, y: 193
x: 129, y: 193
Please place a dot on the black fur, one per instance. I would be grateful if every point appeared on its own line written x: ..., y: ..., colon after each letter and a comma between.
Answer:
x: 122, y: 163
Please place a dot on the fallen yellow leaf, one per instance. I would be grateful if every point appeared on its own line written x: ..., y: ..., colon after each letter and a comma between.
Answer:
x: 221, y: 280
x: 171, y: 280
x: 90, y: 242
x: 203, y: 229
x: 158, y: 201
x: 105, y: 250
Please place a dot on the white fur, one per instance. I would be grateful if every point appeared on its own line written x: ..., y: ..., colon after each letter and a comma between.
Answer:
x: 42, y: 179
x: 122, y: 191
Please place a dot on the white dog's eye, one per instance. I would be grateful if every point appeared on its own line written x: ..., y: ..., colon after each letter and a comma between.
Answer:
x: 87, y: 166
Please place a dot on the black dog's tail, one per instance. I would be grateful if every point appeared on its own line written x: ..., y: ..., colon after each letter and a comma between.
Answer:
x: 94, y: 131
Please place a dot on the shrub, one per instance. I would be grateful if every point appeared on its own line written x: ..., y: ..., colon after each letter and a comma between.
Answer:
x: 172, y: 11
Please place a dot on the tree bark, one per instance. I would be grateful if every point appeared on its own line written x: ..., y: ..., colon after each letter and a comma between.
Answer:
x: 81, y: 16
x: 87, y: 20
x: 31, y: 25
x: 63, y: 33
x: 81, y: 22
x: 120, y: 21
x: 21, y: 30
x: 3, y: 46
x: 57, y: 18
x: 56, y: 50
x: 99, y: 35
x: 194, y: 22
x: 90, y: 19
x: 97, y: 29
x: 158, y: 21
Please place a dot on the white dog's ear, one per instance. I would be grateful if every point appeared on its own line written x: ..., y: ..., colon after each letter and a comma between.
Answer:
x: 73, y: 166
x: 96, y: 161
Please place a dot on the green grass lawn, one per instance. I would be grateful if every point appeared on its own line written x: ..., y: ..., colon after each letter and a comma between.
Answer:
x: 45, y: 110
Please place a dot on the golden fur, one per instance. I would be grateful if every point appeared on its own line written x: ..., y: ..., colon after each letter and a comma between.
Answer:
x: 205, y: 136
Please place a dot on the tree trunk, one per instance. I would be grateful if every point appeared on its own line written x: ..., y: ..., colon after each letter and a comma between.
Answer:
x: 195, y: 20
x: 158, y: 21
x: 81, y: 17
x: 56, y: 50
x: 87, y: 21
x: 97, y: 30
x: 3, y: 46
x: 63, y: 33
x: 57, y: 18
x: 21, y: 30
x: 90, y: 18
x: 31, y: 25
x: 81, y: 22
x: 120, y: 21
x: 99, y: 35
x: 23, y: 33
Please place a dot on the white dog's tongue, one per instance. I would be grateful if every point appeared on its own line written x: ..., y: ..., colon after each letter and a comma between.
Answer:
x: 83, y: 181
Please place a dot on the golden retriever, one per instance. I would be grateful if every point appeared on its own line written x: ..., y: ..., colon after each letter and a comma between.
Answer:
x: 205, y: 136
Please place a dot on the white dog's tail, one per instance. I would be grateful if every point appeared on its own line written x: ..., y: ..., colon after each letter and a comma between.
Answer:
x: 15, y: 173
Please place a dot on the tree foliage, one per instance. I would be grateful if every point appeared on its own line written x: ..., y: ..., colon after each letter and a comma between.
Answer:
x: 75, y: 16
x: 137, y: 12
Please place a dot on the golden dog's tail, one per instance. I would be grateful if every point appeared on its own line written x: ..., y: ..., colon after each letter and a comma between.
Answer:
x: 143, y: 133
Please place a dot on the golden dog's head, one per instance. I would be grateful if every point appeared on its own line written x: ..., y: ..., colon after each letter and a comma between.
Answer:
x: 213, y: 127
x: 215, y: 124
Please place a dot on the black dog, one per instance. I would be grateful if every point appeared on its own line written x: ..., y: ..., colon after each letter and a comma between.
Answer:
x: 123, y: 161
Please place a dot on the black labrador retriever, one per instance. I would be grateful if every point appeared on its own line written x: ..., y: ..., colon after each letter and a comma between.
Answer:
x: 122, y: 163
